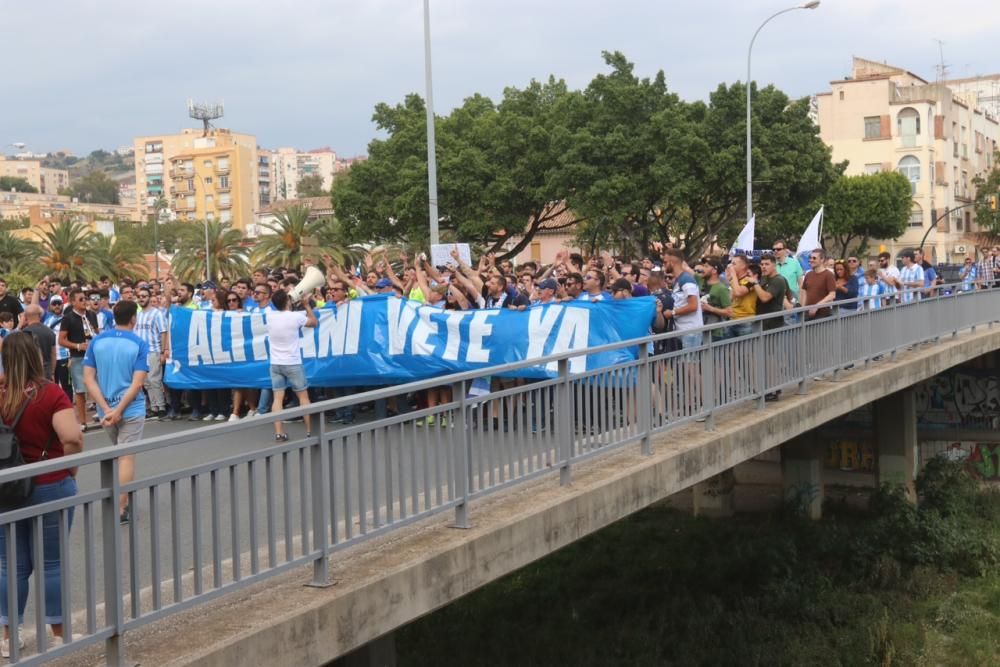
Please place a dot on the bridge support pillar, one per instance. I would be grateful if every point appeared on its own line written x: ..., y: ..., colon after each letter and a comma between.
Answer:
x: 896, y: 437
x: 714, y: 497
x: 379, y: 652
x: 802, y: 474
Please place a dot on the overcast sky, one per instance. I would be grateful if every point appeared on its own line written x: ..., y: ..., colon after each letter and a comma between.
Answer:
x: 86, y: 74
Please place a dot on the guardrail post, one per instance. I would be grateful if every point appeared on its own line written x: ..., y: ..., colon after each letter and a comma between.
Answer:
x: 838, y: 314
x: 645, y: 398
x: 114, y: 614
x: 462, y: 452
x: 758, y: 362
x: 564, y: 431
x: 319, y: 469
x: 800, y: 353
x: 708, y: 382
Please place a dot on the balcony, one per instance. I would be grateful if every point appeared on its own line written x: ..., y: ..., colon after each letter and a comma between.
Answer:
x: 181, y: 173
x: 225, y: 203
x: 181, y: 207
x: 222, y: 169
x: 220, y: 187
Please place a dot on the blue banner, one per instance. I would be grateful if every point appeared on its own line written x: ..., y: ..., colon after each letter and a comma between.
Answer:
x: 384, y: 340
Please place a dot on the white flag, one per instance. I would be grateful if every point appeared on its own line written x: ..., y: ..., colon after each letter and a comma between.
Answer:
x: 810, y: 238
x: 744, y: 241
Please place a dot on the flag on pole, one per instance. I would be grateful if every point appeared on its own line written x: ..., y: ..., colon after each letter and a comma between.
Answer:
x: 811, y: 237
x: 744, y: 241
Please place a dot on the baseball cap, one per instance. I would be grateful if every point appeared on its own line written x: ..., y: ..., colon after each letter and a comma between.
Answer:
x: 548, y: 283
x: 382, y: 283
x: 208, y: 284
x: 55, y: 299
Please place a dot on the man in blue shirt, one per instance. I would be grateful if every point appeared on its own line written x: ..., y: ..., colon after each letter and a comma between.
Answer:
x: 114, y: 370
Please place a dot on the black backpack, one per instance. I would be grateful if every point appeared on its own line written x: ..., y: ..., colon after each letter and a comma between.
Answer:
x: 16, y: 493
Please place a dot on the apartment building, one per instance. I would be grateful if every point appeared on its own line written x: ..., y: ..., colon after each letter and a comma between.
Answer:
x: 883, y: 117
x: 44, y: 179
x: 213, y: 176
x: 290, y: 165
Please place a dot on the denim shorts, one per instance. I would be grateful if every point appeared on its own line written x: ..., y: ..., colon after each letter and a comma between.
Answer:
x: 690, y: 341
x: 292, y: 377
x: 76, y: 373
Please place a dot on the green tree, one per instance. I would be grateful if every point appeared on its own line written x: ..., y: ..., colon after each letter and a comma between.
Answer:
x: 16, y: 184
x: 17, y: 255
x: 647, y: 165
x: 496, y: 171
x: 859, y: 208
x: 282, y: 244
x: 19, y: 222
x: 988, y: 187
x: 227, y: 254
x: 96, y: 187
x: 68, y: 250
x: 311, y: 185
x: 122, y: 257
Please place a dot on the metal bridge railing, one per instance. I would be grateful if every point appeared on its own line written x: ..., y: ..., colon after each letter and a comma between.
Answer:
x: 200, y: 532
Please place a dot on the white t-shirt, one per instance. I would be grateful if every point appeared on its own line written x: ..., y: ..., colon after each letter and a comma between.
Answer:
x: 283, y: 327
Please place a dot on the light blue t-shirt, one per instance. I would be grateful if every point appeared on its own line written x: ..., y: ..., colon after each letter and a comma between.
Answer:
x: 116, y: 355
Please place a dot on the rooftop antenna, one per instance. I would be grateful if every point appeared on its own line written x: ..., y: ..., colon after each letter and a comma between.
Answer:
x: 205, y: 113
x: 942, y: 68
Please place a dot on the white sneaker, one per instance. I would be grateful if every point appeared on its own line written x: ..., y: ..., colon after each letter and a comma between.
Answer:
x: 5, y: 645
x: 208, y: 418
x: 220, y: 418
x: 234, y: 418
x: 251, y: 413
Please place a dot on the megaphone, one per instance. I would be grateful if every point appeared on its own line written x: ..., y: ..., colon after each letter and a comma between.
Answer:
x: 313, y: 279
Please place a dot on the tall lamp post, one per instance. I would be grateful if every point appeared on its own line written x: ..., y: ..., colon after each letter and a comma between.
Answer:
x: 813, y: 4
x: 432, y: 188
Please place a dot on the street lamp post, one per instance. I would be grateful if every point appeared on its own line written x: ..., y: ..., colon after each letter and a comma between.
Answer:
x: 813, y: 4
x: 432, y: 190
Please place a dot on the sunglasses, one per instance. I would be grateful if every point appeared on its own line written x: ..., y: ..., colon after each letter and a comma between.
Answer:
x: 232, y: 300
x: 777, y: 249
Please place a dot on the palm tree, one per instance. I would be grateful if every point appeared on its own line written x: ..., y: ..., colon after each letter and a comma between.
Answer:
x: 283, y: 246
x: 227, y: 253
x: 17, y: 255
x: 122, y: 258
x: 67, y: 250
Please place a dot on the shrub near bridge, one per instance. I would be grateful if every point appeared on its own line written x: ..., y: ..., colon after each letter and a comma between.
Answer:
x: 898, y: 585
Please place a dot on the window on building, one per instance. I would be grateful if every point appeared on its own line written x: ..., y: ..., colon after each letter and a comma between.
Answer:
x: 916, y: 216
x: 190, y: 186
x: 873, y: 127
x: 209, y: 201
x: 207, y: 164
x: 873, y: 168
x: 965, y: 184
x: 208, y: 180
x: 210, y: 216
x: 841, y: 96
x: 223, y: 181
x: 909, y: 166
x: 908, y: 122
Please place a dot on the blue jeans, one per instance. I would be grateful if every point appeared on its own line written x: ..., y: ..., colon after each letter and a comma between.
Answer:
x: 264, y: 404
x: 24, y: 544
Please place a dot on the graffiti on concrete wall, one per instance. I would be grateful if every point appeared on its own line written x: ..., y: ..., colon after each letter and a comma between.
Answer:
x: 850, y: 455
x: 960, y: 398
x: 981, y: 458
x: 964, y: 398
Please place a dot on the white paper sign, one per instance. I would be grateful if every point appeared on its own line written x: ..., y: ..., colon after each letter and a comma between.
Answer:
x: 441, y: 253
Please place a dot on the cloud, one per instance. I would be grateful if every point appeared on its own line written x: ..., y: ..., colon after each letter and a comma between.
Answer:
x: 308, y: 73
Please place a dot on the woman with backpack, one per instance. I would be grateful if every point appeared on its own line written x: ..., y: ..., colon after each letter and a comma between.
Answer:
x: 45, y: 427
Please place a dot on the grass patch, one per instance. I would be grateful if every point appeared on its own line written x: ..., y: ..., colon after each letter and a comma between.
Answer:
x: 895, y: 586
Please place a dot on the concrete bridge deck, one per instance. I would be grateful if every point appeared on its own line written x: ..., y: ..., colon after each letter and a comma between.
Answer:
x: 385, y: 583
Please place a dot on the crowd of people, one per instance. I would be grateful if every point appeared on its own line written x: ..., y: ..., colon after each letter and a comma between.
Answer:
x: 65, y: 316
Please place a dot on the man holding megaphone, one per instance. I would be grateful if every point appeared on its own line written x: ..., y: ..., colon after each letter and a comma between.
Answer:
x: 284, y: 327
